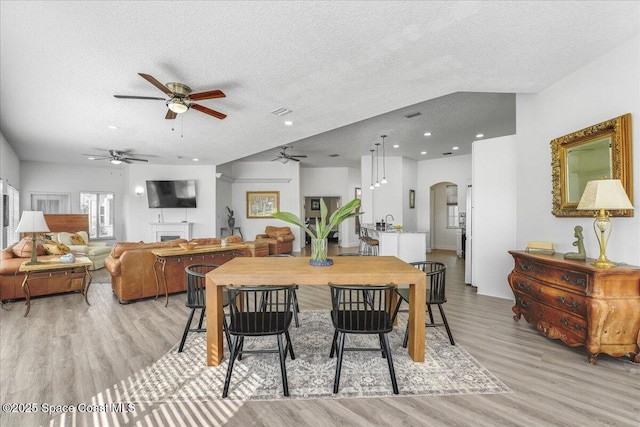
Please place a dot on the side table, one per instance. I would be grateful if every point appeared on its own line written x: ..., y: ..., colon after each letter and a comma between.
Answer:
x: 77, y: 271
x: 230, y: 230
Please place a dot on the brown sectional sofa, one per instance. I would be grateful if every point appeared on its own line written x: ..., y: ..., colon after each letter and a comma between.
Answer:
x: 11, y: 279
x: 131, y: 265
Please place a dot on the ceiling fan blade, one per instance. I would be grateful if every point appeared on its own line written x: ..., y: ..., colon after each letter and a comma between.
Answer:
x: 138, y: 97
x: 207, y: 95
x: 97, y: 156
x: 291, y: 158
x: 136, y: 160
x: 170, y: 115
x: 208, y: 111
x: 124, y: 161
x: 302, y: 156
x: 156, y: 83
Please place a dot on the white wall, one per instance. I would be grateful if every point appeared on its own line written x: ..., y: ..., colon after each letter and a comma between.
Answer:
x: 494, y: 219
x: 455, y: 169
x: 258, y: 173
x: 9, y: 164
x: 603, y: 89
x: 43, y: 177
x: 139, y: 215
x: 333, y: 182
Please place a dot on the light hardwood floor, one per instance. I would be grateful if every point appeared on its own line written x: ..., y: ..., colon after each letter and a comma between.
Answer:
x: 65, y: 352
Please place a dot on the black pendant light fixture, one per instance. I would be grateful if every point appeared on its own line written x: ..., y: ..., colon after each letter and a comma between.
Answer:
x: 377, y: 184
x: 371, y: 187
x: 384, y: 163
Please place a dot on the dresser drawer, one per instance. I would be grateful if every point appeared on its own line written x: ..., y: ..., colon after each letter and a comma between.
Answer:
x: 551, y: 322
x: 567, y: 278
x: 562, y: 299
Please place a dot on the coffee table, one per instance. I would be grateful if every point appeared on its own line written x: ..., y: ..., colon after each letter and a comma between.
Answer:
x: 77, y: 271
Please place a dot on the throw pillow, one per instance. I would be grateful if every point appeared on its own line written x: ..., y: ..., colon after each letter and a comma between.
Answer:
x: 22, y: 249
x: 65, y: 238
x: 55, y: 248
x: 76, y: 239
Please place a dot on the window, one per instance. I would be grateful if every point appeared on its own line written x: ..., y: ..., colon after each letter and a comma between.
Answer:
x: 99, y: 207
x: 51, y: 203
x: 452, y: 207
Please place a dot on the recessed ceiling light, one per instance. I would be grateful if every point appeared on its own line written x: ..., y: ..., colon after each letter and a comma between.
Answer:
x: 455, y: 148
x: 91, y: 158
x: 288, y: 123
x: 196, y: 160
x: 480, y: 135
x: 396, y: 146
x: 112, y: 127
x: 427, y: 134
x: 423, y: 152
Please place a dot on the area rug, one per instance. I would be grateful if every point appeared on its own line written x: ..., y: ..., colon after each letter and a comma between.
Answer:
x: 184, y: 377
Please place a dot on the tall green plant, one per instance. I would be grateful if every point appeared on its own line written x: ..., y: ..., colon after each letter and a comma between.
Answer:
x: 323, y: 228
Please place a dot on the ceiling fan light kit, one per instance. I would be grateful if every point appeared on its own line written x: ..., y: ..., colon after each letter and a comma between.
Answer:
x: 180, y: 98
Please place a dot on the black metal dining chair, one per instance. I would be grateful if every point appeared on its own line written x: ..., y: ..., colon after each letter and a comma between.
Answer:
x: 436, y: 295
x: 197, y: 300
x: 259, y: 311
x: 361, y: 310
x: 294, y: 301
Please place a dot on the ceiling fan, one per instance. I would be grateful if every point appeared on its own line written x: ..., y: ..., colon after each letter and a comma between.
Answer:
x: 116, y: 157
x: 284, y: 157
x: 180, y: 98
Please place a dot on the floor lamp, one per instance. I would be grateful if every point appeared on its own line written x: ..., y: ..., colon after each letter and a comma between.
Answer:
x: 603, y: 195
x: 32, y: 222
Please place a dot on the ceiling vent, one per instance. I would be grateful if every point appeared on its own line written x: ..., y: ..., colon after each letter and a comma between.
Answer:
x: 446, y: 154
x: 334, y: 155
x: 411, y: 115
x: 281, y: 111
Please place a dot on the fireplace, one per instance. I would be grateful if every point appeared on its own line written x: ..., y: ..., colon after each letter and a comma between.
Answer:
x: 164, y: 231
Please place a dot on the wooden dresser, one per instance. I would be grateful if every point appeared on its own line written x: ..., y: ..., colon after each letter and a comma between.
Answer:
x: 578, y: 303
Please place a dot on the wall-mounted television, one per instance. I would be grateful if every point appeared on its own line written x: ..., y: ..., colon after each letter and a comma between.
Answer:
x: 171, y: 194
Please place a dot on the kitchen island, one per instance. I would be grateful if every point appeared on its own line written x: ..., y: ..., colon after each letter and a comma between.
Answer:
x: 409, y: 246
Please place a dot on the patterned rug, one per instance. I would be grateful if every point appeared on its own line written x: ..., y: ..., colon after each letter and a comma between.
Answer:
x: 184, y: 377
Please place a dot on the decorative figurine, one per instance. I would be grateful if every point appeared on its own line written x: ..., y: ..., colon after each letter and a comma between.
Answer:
x: 581, y: 254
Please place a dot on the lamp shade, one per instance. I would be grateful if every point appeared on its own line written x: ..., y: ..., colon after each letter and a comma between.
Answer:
x: 177, y: 106
x: 604, y: 194
x: 32, y: 222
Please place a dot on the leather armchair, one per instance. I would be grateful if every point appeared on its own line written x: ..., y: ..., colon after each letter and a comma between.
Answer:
x: 280, y: 239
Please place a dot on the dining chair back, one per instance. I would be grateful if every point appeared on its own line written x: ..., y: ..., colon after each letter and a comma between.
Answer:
x: 436, y: 295
x: 294, y: 301
x: 196, y: 299
x: 361, y: 310
x: 259, y: 311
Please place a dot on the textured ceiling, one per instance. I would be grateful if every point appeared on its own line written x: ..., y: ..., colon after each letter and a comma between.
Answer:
x: 332, y: 64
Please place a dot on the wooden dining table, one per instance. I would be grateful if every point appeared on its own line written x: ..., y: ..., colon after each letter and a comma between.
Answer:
x: 363, y: 270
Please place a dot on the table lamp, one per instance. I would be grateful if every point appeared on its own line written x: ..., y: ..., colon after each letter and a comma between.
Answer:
x: 32, y: 222
x: 603, y: 195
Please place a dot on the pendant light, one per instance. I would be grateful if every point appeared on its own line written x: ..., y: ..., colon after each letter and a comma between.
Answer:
x: 371, y: 187
x: 384, y: 162
x: 377, y: 165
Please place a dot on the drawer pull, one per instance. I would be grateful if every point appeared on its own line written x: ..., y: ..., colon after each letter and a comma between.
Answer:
x: 576, y: 326
x: 580, y: 281
x: 524, y: 303
x: 522, y: 285
x: 527, y: 267
x: 563, y: 300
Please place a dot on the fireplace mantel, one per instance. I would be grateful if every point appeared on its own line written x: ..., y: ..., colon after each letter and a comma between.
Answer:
x: 170, y: 230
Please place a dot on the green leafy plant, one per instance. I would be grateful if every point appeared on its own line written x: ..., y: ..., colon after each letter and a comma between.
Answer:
x: 230, y: 213
x: 324, y: 225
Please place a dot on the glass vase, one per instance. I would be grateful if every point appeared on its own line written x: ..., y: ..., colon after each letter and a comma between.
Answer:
x: 319, y: 253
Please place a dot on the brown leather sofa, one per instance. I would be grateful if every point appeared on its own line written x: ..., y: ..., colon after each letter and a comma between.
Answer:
x: 11, y: 279
x: 280, y: 239
x: 131, y: 265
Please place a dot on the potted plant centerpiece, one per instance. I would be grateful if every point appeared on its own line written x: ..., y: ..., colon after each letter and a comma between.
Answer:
x: 324, y: 226
x: 230, y: 219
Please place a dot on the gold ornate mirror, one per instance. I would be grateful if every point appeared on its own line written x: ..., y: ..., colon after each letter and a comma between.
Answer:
x: 597, y: 152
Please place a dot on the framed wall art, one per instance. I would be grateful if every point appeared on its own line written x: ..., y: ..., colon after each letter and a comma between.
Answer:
x: 412, y: 199
x: 262, y: 204
x: 315, y: 204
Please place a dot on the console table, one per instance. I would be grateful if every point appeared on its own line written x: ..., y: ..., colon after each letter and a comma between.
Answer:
x: 199, y: 254
x: 231, y: 230
x: 578, y: 303
x: 77, y: 271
